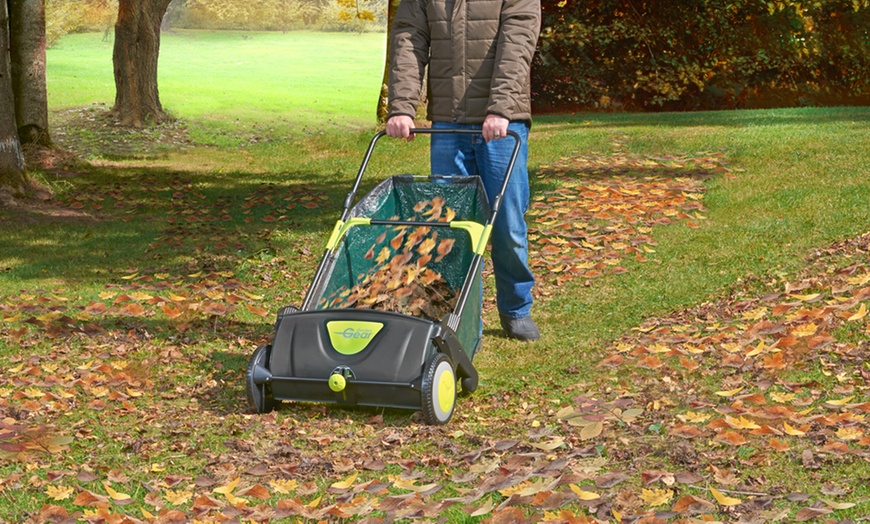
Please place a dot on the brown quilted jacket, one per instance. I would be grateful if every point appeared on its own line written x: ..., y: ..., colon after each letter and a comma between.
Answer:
x: 478, y: 53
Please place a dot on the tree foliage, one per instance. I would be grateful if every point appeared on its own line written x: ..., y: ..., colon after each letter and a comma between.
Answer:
x: 686, y: 54
x: 282, y: 15
x: 70, y: 16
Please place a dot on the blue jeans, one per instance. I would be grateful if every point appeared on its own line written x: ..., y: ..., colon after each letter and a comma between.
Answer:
x: 470, y: 155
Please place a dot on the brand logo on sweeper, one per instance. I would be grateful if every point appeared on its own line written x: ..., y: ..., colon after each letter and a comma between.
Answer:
x: 349, y: 337
x: 356, y: 333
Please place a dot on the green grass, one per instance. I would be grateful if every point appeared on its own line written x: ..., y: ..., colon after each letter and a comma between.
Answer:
x: 270, y: 121
x: 248, y: 85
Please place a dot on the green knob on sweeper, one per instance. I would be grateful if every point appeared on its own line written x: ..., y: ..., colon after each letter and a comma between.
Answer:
x: 337, y: 383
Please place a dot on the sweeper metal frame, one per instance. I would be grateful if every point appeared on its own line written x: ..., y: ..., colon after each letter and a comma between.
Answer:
x: 356, y: 356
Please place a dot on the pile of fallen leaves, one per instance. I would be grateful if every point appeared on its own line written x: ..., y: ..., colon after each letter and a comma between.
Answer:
x: 605, y: 207
x: 399, y: 279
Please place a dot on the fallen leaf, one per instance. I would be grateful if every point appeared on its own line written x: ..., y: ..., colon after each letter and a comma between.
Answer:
x: 724, y: 500
x: 59, y: 492
x: 584, y: 495
x: 346, y: 483
x: 116, y: 496
x: 656, y: 497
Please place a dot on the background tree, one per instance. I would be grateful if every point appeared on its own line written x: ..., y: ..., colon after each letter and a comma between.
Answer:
x: 382, y: 109
x: 635, y: 54
x: 137, y: 47
x: 12, y: 173
x: 27, y: 39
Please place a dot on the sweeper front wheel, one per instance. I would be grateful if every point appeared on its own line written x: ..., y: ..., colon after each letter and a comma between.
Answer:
x: 438, y: 390
x: 259, y: 391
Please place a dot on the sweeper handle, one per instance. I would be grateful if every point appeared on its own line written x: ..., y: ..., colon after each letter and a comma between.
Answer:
x: 496, y: 200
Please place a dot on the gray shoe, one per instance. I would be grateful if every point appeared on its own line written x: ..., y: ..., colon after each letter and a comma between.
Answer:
x: 520, y: 328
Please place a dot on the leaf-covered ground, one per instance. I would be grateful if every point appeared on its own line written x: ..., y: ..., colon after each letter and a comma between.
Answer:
x: 128, y: 406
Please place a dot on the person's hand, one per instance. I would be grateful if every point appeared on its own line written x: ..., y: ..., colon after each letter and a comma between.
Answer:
x: 495, y: 127
x: 400, y: 126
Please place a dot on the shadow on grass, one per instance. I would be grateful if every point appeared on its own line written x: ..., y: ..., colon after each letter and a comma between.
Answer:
x: 113, y: 220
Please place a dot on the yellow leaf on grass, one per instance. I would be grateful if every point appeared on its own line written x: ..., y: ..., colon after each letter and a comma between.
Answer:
x: 861, y: 313
x: 34, y: 393
x: 782, y: 398
x: 741, y: 423
x: 283, y: 486
x: 806, y: 298
x: 860, y: 280
x: 584, y: 495
x: 59, y: 493
x: 235, y: 501
x: 346, y: 483
x: 730, y: 392
x: 177, y: 498
x: 228, y: 488
x: 114, y: 494
x: 759, y: 349
x: 656, y: 497
x: 792, y: 431
x: 694, y: 417
x: 850, y: 433
x: 805, y: 330
x: 755, y: 314
x: 723, y: 499
x: 840, y: 402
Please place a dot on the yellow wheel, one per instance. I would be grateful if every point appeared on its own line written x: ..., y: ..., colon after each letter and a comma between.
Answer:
x: 438, y: 390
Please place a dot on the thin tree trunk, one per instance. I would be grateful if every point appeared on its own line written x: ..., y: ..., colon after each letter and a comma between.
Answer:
x: 382, y: 99
x: 137, y: 46
x: 27, y: 34
x: 12, y: 174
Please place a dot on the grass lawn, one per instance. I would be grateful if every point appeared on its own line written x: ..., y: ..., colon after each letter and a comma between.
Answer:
x: 703, y: 284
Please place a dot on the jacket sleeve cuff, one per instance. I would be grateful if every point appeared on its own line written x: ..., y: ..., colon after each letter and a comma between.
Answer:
x: 498, y: 113
x: 400, y: 113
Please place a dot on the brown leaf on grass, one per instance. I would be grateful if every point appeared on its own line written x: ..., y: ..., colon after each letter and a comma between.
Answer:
x: 88, y: 498
x: 687, y: 431
x: 779, y: 445
x: 132, y: 309
x: 806, y: 514
x: 609, y: 480
x: 257, y: 491
x: 693, y: 505
x: 214, y: 309
x: 95, y: 308
x: 260, y: 312
x: 652, y: 476
x: 171, y: 311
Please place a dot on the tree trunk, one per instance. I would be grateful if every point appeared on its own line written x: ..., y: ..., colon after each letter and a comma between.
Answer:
x: 27, y: 34
x: 12, y: 174
x: 382, y: 100
x: 137, y: 45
